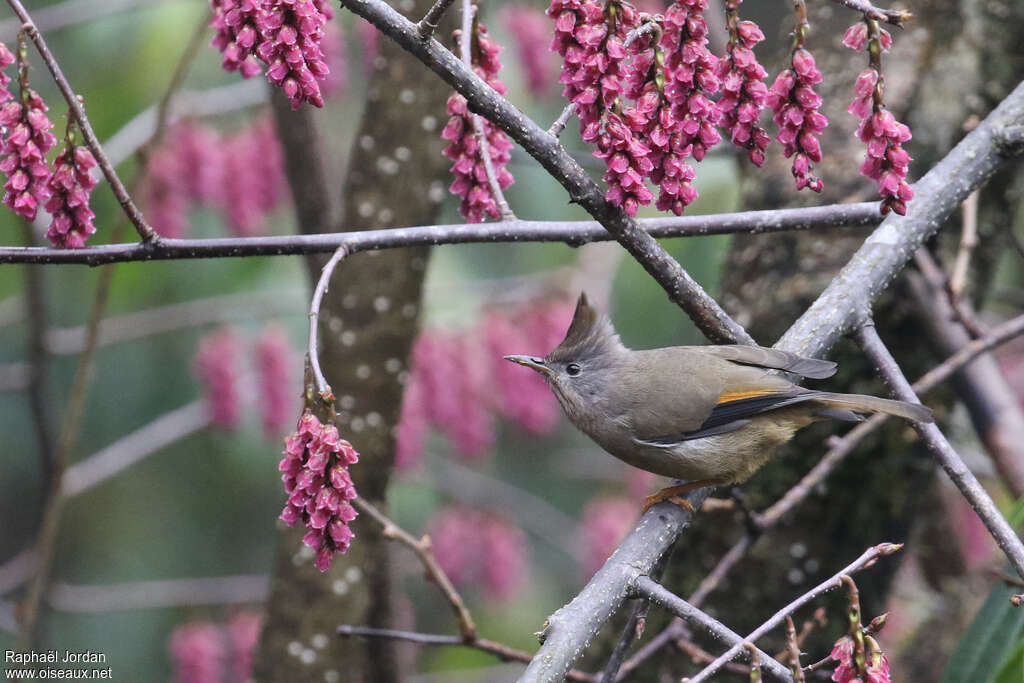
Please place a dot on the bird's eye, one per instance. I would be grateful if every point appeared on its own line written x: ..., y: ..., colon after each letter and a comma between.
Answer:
x: 573, y: 369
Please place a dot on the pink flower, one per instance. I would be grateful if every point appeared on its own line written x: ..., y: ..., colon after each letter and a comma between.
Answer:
x: 876, y: 665
x: 475, y: 547
x: 197, y: 653
x: 628, y: 162
x: 464, y: 149
x: 274, y: 360
x: 216, y: 364
x: 605, y: 522
x: 236, y: 34
x: 886, y: 161
x: 25, y: 147
x: 254, y: 181
x: 743, y: 89
x: 320, y: 490
x: 291, y: 32
x: 70, y: 187
x: 795, y: 105
x: 6, y: 59
x: 530, y: 29
x: 243, y: 634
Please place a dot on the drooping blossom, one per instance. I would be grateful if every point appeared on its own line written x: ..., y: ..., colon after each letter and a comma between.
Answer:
x: 876, y: 664
x: 25, y: 147
x: 70, y: 187
x: 216, y: 364
x: 628, y: 164
x: 743, y: 89
x: 236, y: 34
x: 480, y: 548
x: 274, y: 362
x: 291, y: 32
x: 531, y: 32
x: 6, y: 59
x: 604, y: 524
x: 320, y: 490
x: 197, y: 653
x: 243, y: 634
x: 464, y: 148
x: 254, y: 181
x: 886, y: 161
x: 795, y: 106
x: 285, y: 34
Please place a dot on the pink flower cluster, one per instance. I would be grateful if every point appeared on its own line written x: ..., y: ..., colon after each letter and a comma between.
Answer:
x: 530, y: 29
x: 475, y: 547
x: 795, y: 106
x: 876, y: 670
x: 25, y: 147
x: 605, y: 522
x: 70, y: 186
x: 452, y: 382
x: 202, y: 651
x: 274, y: 363
x: 316, y: 478
x: 463, y: 148
x: 743, y: 90
x: 886, y: 161
x: 241, y: 175
x: 285, y: 34
x: 216, y: 364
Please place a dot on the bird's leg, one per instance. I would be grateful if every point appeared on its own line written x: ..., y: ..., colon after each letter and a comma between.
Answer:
x: 673, y: 494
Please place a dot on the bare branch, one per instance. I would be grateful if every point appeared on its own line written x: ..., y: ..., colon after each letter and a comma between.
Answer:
x: 869, y: 557
x: 896, y: 17
x: 428, y: 24
x: 322, y: 388
x: 75, y: 105
x: 574, y: 233
x: 559, y: 125
x: 968, y: 242
x: 662, y: 596
x: 948, y: 458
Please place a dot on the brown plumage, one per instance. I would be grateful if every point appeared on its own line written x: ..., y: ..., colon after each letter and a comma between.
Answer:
x: 710, y: 415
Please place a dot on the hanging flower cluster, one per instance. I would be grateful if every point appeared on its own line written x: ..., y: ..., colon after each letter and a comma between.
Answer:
x: 70, y: 186
x: 859, y: 657
x: 452, y: 378
x: 203, y: 651
x: 316, y: 478
x: 239, y: 174
x: 886, y: 161
x: 481, y: 548
x: 743, y: 90
x: 218, y: 365
x: 795, y: 107
x: 464, y: 149
x: 285, y: 34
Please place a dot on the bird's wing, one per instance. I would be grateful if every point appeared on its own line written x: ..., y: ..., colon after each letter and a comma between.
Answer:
x: 773, y: 358
x: 728, y: 416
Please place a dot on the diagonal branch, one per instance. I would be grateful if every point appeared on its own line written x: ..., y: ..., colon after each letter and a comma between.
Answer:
x: 948, y: 458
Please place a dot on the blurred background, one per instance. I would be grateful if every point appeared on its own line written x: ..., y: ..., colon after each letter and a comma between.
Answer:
x: 168, y: 541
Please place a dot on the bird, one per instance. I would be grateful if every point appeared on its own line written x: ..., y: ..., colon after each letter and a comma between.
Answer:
x: 707, y: 415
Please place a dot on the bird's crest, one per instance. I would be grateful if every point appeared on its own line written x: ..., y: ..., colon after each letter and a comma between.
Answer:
x: 590, y: 334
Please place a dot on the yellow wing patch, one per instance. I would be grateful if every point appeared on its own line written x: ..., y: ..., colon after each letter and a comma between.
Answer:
x: 740, y: 395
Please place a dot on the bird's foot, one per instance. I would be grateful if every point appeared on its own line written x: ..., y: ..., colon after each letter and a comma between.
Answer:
x: 673, y: 494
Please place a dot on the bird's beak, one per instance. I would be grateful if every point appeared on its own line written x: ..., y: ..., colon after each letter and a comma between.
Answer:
x: 531, y: 362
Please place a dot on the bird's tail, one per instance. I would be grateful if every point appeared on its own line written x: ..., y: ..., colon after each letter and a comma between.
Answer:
x: 859, y: 403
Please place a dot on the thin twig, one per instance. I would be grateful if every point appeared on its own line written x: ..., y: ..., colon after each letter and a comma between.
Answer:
x: 428, y: 24
x: 793, y: 651
x: 499, y: 650
x: 968, y: 242
x: 948, y: 458
x: 322, y: 388
x: 74, y: 103
x: 869, y: 557
x: 422, y: 548
x: 575, y: 233
x: 641, y: 31
x: 664, y: 597
x: 466, y: 39
x: 896, y: 17
x: 634, y: 628
x: 871, y: 629
x: 559, y: 125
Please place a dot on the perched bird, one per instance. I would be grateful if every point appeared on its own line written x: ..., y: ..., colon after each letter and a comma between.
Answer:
x: 709, y: 415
